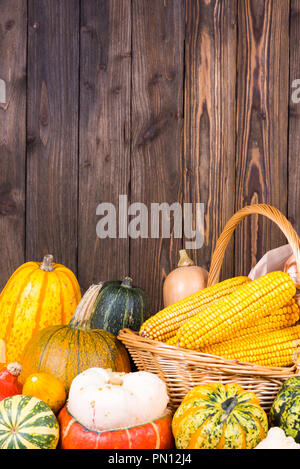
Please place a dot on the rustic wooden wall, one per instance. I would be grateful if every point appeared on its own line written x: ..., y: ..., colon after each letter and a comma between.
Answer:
x: 162, y: 100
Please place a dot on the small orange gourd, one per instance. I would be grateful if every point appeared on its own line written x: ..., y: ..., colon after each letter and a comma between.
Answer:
x: 184, y: 281
x: 47, y: 388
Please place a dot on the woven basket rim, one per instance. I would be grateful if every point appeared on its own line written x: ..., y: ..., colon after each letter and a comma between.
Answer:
x: 132, y: 339
x: 141, y: 347
x: 268, y: 211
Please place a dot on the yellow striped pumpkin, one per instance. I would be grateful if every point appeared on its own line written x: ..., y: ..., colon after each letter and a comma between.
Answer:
x: 218, y: 416
x: 38, y: 295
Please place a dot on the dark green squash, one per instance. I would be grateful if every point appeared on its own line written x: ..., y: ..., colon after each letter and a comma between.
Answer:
x: 120, y: 305
x: 285, y: 411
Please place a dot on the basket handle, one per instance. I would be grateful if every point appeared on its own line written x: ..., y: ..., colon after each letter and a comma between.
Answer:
x: 259, y: 209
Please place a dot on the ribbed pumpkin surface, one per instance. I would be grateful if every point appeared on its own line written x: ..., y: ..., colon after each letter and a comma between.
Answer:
x: 66, y: 351
x: 217, y: 416
x: 34, y: 299
x: 152, y: 435
x: 285, y: 411
x: 27, y: 423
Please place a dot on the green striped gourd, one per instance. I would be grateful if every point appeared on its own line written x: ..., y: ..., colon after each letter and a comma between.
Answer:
x: 27, y: 423
x: 285, y: 411
x: 217, y: 416
x: 120, y: 305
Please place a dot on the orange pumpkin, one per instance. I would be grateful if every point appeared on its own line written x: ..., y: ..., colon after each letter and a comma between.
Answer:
x: 36, y: 296
x: 151, y: 435
x: 47, y: 388
x: 67, y: 350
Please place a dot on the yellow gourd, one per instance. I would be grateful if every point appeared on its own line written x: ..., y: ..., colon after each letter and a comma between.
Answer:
x: 38, y: 295
x: 2, y: 353
x: 47, y: 388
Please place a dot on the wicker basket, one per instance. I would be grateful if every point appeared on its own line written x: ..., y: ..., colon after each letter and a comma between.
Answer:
x: 183, y: 369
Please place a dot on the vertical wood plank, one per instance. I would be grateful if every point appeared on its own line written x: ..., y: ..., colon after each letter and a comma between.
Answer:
x: 52, y: 189
x: 294, y: 118
x: 209, y: 138
x: 104, y: 172
x: 262, y: 122
x: 157, y: 123
x: 13, y: 31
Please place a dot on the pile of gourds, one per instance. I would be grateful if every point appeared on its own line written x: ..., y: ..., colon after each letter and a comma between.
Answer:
x: 50, y: 337
x: 111, y: 410
x: 217, y: 416
x: 66, y: 380
x: 104, y: 410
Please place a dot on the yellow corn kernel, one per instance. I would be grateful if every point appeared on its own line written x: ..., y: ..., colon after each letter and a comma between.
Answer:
x: 276, y: 348
x: 279, y: 319
x: 172, y: 341
x: 286, y: 316
x: 164, y: 324
x: 223, y: 320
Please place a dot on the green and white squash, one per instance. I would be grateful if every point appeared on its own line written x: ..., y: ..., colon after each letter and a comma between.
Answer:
x: 285, y: 411
x: 27, y: 423
x: 120, y: 305
x: 218, y: 416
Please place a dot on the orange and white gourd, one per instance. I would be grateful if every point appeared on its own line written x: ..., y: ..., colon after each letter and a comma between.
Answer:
x: 102, y: 400
x: 116, y: 410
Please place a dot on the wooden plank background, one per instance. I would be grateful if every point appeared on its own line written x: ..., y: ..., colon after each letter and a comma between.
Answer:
x: 170, y: 101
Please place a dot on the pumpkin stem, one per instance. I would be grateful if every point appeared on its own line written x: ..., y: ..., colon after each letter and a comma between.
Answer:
x: 82, y: 316
x: 47, y: 264
x: 115, y: 378
x: 127, y: 282
x: 184, y: 259
x: 228, y: 406
x: 15, y: 368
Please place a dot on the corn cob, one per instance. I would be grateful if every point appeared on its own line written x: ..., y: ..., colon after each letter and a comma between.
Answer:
x: 172, y: 341
x: 279, y: 319
x: 277, y: 348
x: 164, y: 324
x: 222, y: 320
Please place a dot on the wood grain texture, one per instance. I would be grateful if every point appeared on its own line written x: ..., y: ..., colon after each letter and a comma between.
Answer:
x: 171, y: 101
x: 294, y: 118
x: 13, y: 39
x: 262, y: 123
x: 157, y: 131
x: 52, y: 134
x: 104, y: 172
x: 209, y: 143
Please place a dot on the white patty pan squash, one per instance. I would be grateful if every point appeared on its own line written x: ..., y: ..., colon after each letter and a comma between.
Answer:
x: 102, y: 400
x: 276, y: 439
